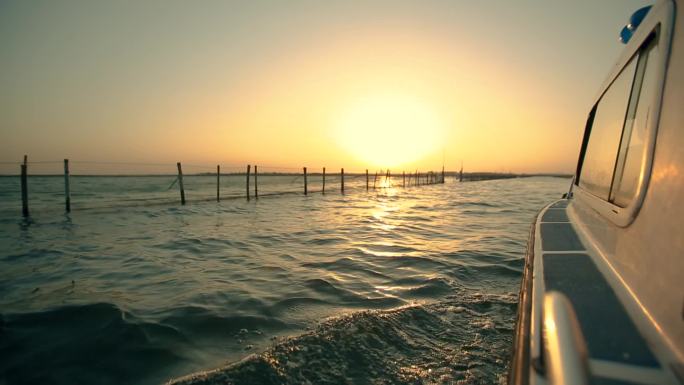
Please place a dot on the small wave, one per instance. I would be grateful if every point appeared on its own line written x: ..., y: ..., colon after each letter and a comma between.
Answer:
x: 350, y: 298
x: 417, y: 262
x: 326, y: 241
x: 433, y: 287
x: 347, y: 265
x: 385, y: 249
x: 479, y: 204
x: 35, y: 253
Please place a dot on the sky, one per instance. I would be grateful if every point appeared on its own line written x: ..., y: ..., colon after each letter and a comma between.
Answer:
x: 497, y: 85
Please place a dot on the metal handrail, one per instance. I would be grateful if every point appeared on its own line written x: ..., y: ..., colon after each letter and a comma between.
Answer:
x: 565, y: 352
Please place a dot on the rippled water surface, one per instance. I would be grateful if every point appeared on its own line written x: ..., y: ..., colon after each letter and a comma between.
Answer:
x: 406, y: 286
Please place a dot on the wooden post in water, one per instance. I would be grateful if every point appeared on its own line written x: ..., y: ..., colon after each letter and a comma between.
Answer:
x: 256, y: 183
x: 247, y: 188
x: 323, y: 188
x: 389, y: 179
x: 342, y: 181
x: 442, y: 174
x: 180, y: 183
x: 218, y: 183
x: 24, y: 189
x: 67, y: 193
x: 306, y: 191
x: 403, y: 179
x: 375, y: 179
x: 366, y: 179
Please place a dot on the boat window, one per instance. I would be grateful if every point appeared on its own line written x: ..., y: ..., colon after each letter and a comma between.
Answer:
x: 605, y: 134
x: 630, y: 161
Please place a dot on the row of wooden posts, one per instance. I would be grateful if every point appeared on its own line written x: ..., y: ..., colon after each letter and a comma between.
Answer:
x: 429, y: 178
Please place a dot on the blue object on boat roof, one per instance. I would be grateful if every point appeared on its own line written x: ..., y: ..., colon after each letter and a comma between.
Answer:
x: 634, y: 21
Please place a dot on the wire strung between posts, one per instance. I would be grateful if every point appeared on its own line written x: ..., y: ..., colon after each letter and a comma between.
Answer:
x: 34, y: 162
x: 172, y: 184
x: 204, y: 166
x: 122, y: 163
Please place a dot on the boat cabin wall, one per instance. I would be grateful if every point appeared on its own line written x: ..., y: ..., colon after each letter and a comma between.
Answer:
x: 641, y: 235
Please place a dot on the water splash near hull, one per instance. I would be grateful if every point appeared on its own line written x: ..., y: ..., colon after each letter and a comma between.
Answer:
x: 462, y: 340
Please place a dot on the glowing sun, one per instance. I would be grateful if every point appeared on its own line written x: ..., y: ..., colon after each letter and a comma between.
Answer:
x: 389, y: 130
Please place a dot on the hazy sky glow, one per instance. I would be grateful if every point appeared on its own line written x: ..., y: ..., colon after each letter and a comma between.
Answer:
x: 501, y: 85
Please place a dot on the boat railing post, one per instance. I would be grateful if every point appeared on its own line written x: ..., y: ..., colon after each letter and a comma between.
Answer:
x: 565, y: 352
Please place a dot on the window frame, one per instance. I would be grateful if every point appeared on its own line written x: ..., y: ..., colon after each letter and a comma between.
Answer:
x: 634, y: 59
x: 657, y: 25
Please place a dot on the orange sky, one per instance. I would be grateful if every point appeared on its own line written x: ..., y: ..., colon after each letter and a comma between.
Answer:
x: 501, y: 86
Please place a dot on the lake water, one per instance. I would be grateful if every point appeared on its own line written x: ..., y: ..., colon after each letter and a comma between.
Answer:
x: 399, y: 285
